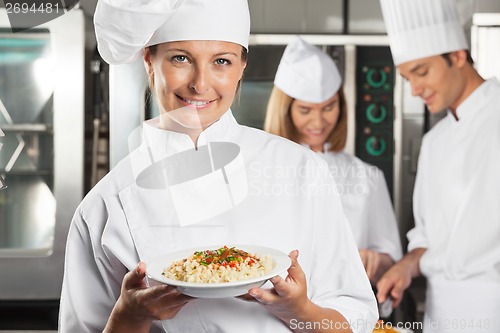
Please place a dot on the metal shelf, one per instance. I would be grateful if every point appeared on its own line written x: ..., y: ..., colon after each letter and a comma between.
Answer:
x: 28, y: 128
x: 27, y: 172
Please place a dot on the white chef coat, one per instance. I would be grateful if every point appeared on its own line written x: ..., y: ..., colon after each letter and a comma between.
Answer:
x: 366, y: 202
x: 457, y: 214
x: 290, y: 205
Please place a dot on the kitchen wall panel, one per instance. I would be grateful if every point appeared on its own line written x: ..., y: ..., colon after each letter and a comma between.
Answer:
x: 365, y: 17
x: 284, y: 16
x: 296, y: 16
x: 257, y: 12
x: 324, y: 16
x: 487, y: 6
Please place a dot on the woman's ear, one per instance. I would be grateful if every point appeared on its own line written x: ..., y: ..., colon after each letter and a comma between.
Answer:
x: 147, y: 61
x: 243, y: 69
x: 148, y: 65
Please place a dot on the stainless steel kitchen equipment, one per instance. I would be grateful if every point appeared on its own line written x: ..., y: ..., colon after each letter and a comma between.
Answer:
x: 485, y: 46
x: 41, y: 114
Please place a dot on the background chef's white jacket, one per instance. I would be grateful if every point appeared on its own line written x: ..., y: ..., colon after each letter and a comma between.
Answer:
x: 457, y: 211
x: 119, y: 223
x: 366, y: 202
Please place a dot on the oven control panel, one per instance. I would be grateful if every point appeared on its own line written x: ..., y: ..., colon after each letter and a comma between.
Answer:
x: 375, y: 108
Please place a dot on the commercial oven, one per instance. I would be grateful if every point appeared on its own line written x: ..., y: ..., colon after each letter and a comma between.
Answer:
x: 41, y: 156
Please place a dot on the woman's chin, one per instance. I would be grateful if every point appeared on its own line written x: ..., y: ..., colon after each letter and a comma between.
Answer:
x: 186, y: 117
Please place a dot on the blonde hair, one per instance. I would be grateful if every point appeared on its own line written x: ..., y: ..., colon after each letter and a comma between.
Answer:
x: 279, y: 120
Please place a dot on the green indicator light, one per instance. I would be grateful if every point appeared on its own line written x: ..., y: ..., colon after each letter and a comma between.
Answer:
x: 376, y: 118
x: 375, y: 146
x: 376, y: 78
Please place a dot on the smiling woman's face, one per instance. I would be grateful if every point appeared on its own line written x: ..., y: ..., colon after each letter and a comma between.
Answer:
x: 315, y: 122
x: 201, y: 77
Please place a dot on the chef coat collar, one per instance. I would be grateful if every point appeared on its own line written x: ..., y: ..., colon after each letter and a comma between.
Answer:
x: 326, y: 147
x: 474, y: 101
x: 166, y: 143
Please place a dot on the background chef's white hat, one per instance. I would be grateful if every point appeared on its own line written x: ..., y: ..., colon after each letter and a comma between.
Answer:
x: 306, y: 73
x: 422, y: 28
x: 124, y: 27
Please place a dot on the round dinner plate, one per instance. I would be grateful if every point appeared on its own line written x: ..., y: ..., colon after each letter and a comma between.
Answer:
x: 154, y: 270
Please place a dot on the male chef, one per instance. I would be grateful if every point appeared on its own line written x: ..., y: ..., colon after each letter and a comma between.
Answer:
x: 455, y: 242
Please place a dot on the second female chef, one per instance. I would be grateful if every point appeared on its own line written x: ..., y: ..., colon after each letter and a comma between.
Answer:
x: 307, y: 105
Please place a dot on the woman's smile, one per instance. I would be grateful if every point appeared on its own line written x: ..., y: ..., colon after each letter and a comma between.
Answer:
x: 194, y: 103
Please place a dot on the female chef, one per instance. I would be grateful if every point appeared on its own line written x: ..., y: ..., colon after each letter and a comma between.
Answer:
x: 164, y: 197
x: 307, y: 105
x: 454, y: 243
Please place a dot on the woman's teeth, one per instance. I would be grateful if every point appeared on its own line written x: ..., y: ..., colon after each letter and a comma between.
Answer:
x: 196, y: 103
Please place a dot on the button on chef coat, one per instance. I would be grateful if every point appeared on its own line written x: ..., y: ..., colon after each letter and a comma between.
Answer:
x: 366, y: 202
x: 457, y: 211
x: 290, y: 205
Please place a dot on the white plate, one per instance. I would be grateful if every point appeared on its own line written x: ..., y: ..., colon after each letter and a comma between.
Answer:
x: 154, y: 270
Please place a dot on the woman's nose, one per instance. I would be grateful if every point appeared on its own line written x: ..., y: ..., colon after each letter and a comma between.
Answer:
x: 316, y: 118
x: 200, y: 80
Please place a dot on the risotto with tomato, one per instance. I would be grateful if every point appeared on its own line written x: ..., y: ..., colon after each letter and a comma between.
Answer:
x: 225, y: 264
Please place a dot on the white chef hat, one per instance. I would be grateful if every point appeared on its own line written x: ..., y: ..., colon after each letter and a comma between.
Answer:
x: 124, y: 27
x: 422, y: 28
x: 307, y: 73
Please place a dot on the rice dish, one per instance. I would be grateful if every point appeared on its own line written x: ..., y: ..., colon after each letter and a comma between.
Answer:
x: 221, y: 265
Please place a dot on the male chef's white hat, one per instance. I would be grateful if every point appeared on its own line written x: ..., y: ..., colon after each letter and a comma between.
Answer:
x: 306, y: 73
x: 422, y: 28
x: 124, y: 27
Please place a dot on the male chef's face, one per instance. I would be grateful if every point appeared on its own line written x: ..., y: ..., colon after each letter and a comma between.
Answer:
x: 201, y: 77
x: 437, y: 80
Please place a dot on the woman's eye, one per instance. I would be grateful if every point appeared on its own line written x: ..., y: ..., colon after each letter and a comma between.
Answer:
x: 222, y: 62
x: 180, y: 58
x: 304, y: 111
